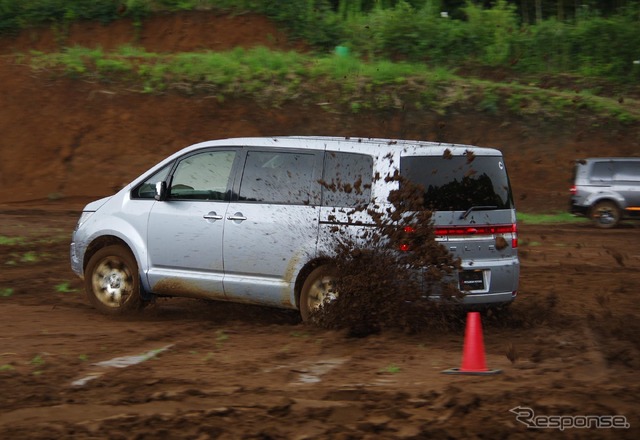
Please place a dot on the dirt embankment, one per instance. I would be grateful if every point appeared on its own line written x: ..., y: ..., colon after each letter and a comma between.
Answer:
x: 65, y: 138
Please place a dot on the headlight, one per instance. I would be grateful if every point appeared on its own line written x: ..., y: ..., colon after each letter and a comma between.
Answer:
x: 83, y: 218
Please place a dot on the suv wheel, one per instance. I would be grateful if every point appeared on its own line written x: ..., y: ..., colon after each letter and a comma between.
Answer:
x: 605, y: 214
x: 112, y: 282
x: 318, y: 288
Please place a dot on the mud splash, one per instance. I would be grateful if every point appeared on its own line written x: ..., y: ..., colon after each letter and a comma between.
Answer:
x: 388, y: 275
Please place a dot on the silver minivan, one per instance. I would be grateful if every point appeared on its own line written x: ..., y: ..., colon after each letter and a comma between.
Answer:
x: 252, y: 220
x: 606, y: 189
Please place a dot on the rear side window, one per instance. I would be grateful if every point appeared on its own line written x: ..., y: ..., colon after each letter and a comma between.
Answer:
x: 346, y: 179
x: 628, y: 171
x: 602, y: 171
x: 457, y: 183
x: 279, y: 177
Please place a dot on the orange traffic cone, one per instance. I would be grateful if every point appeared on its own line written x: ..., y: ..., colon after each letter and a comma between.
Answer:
x: 473, y: 361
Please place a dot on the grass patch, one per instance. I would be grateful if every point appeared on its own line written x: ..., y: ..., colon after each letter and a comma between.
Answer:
x: 11, y: 241
x: 30, y: 257
x: 391, y: 369
x: 6, y: 292
x: 272, y: 77
x: 540, y: 219
x: 37, y: 361
x: 65, y: 288
x: 221, y: 338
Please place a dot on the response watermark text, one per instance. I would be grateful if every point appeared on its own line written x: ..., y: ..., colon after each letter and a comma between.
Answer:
x: 528, y: 417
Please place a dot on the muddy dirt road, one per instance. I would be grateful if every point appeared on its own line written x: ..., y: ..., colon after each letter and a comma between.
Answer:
x: 568, y: 347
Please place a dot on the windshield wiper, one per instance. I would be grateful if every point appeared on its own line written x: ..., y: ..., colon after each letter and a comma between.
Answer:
x: 476, y: 208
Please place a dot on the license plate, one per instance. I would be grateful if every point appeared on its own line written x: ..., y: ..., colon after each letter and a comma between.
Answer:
x: 472, y: 280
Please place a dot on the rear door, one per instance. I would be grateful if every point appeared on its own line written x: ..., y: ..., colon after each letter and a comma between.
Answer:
x: 271, y: 226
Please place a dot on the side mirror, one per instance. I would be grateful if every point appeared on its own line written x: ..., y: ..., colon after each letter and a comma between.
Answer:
x: 161, y: 191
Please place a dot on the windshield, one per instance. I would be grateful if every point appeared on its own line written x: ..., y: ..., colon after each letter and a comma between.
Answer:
x: 457, y: 183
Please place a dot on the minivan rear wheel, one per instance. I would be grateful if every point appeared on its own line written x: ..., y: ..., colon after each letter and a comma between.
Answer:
x: 318, y: 289
x: 112, y: 282
x: 605, y: 214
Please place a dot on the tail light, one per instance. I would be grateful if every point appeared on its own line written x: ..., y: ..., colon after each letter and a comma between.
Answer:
x: 404, y: 246
x: 511, y: 229
x: 573, y: 190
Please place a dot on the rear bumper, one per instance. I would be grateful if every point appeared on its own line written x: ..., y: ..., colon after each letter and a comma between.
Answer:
x: 578, y: 209
x: 501, y: 279
x: 488, y: 299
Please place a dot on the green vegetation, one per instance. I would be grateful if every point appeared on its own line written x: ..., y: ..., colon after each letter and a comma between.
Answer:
x: 6, y: 292
x: 28, y: 249
x: 595, y: 39
x: 52, y: 236
x: 11, y: 241
x: 65, y: 288
x: 539, y: 219
x: 560, y: 62
x: 275, y: 77
x: 392, y: 369
x: 29, y: 257
x: 221, y: 338
x: 37, y: 361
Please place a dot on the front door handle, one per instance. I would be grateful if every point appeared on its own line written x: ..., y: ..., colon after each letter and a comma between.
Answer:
x: 237, y: 217
x: 212, y: 216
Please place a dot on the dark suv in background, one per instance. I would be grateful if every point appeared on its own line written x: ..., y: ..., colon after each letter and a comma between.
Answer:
x: 606, y: 189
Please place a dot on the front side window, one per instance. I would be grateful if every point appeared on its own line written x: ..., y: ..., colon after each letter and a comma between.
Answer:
x: 202, y: 176
x: 147, y: 189
x: 457, y: 183
x: 279, y: 177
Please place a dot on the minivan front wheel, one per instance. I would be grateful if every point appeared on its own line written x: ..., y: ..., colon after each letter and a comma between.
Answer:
x: 605, y: 214
x: 112, y: 282
x: 318, y: 289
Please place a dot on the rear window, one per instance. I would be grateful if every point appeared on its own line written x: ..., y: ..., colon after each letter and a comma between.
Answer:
x: 457, y: 183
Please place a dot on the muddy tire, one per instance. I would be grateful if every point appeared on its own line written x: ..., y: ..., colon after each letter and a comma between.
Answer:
x: 605, y: 214
x: 318, y: 288
x: 112, y: 282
